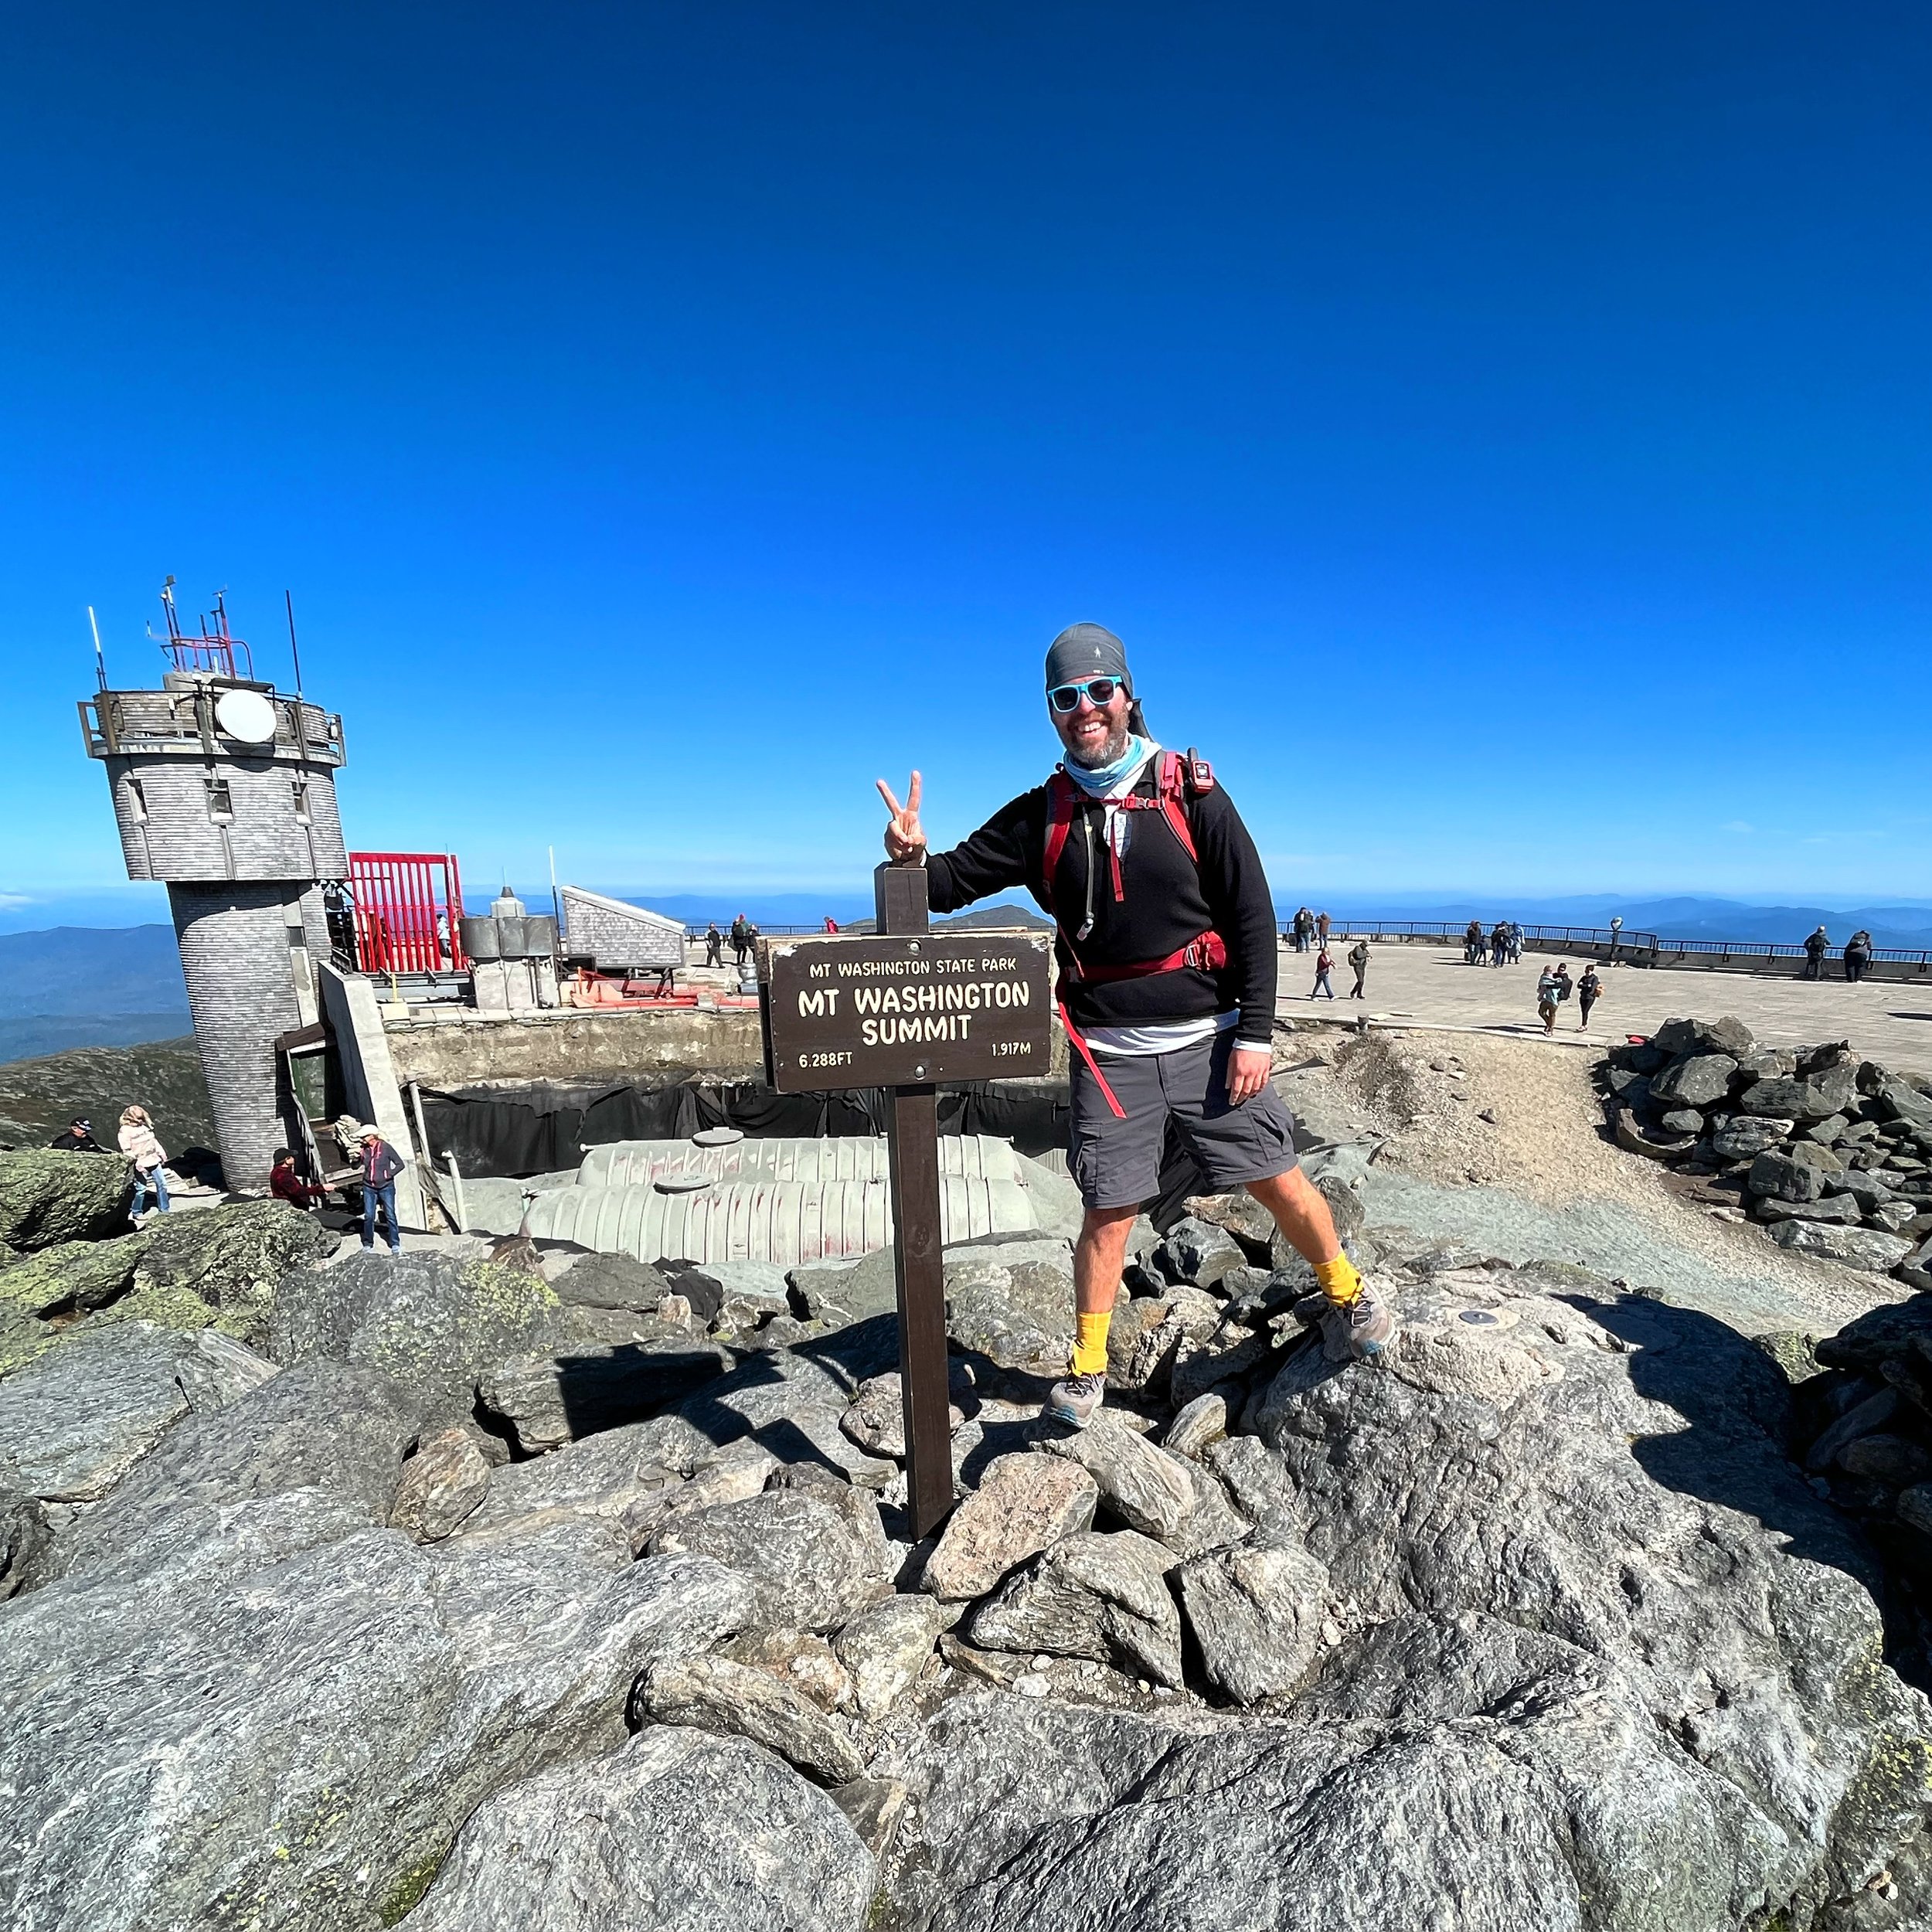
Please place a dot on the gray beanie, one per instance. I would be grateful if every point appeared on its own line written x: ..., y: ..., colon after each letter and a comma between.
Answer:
x: 1084, y: 650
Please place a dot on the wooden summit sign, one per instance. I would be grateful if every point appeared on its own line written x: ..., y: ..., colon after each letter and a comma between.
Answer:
x: 903, y: 1009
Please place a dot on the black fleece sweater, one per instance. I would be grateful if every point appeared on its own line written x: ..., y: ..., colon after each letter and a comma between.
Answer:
x: 1168, y: 900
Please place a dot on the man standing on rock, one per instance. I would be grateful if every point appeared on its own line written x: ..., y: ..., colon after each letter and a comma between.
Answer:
x: 1167, y: 988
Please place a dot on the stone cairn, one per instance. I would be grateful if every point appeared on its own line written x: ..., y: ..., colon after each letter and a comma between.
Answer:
x: 1834, y: 1154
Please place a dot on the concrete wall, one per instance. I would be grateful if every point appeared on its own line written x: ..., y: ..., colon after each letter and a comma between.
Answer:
x: 573, y: 1044
x: 369, y: 1083
x: 242, y: 994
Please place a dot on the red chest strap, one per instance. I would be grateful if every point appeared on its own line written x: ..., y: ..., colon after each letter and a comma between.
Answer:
x: 1175, y: 777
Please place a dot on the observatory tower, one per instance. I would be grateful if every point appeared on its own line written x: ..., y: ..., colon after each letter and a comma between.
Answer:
x: 227, y: 792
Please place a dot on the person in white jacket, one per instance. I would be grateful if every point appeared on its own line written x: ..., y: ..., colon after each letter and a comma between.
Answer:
x: 139, y: 1143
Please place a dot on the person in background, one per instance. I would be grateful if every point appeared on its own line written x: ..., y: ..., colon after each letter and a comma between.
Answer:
x: 139, y: 1143
x: 1590, y: 989
x: 1472, y: 944
x: 1565, y: 986
x: 381, y: 1164
x: 832, y: 924
x: 740, y: 938
x: 77, y: 1137
x: 1358, y: 959
x: 714, y: 945
x: 1546, y: 1001
x: 285, y: 1185
x: 1324, y: 966
x: 1303, y: 930
x: 1857, y: 956
x: 1814, y: 950
x: 1499, y: 944
x: 1321, y: 927
x: 1515, y: 943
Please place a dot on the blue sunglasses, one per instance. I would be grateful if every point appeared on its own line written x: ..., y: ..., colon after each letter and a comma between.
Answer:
x: 1098, y: 692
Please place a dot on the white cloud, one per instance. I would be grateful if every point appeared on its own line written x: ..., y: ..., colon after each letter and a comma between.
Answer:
x: 1737, y: 825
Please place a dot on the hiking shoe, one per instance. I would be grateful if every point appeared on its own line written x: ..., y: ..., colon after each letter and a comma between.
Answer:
x: 1352, y: 1333
x: 1075, y: 1400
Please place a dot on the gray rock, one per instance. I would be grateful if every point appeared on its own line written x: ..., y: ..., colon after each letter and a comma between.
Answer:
x: 47, y: 1196
x: 877, y: 1420
x: 1227, y: 1357
x: 1915, y: 1507
x: 1632, y: 1139
x: 1612, y: 1469
x: 1256, y: 1612
x: 1201, y: 1253
x: 1700, y: 1081
x: 1866, y: 1249
x: 418, y: 1683
x: 843, y: 1291
x: 1203, y: 1420
x: 76, y: 1420
x: 873, y: 1806
x: 1797, y: 1172
x: 790, y: 1403
x: 1024, y: 1503
x: 613, y: 1281
x: 330, y: 1425
x: 1861, y: 1419
x: 816, y: 1569
x: 1012, y: 1303
x: 679, y: 1829
x: 621, y: 1476
x: 1897, y: 1461
x: 1728, y: 1036
x: 547, y: 1399
x: 1839, y: 1207
x: 1176, y: 1502
x: 1748, y: 1135
x: 1683, y: 1119
x: 733, y: 1699
x: 1895, y: 1100
x: 886, y: 1648
x: 431, y: 1322
x: 24, y: 1534
x: 1260, y: 1487
x: 440, y: 1485
x: 1815, y: 1099
x: 1100, y: 1595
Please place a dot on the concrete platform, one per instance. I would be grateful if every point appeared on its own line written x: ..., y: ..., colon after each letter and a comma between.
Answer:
x: 1429, y: 986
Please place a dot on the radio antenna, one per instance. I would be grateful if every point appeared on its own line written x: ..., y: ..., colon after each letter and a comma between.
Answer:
x: 295, y: 650
x: 100, y: 663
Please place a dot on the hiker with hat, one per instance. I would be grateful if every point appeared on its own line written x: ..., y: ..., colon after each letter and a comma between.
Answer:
x: 77, y: 1137
x: 1166, y: 951
x: 381, y: 1164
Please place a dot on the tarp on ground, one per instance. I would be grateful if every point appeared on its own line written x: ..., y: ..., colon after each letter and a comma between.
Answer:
x: 541, y: 1127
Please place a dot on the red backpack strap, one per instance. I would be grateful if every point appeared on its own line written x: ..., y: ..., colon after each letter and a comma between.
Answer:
x: 1061, y: 800
x: 1173, y: 786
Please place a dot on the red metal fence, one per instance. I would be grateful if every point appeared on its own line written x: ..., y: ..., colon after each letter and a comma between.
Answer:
x: 403, y: 923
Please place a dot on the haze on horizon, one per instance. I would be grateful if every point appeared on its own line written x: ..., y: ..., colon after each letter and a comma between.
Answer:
x: 1501, y: 439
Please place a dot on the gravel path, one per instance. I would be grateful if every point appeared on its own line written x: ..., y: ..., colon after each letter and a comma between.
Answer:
x: 1542, y: 1182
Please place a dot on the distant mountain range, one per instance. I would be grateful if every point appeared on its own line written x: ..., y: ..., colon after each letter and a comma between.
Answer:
x: 76, y: 986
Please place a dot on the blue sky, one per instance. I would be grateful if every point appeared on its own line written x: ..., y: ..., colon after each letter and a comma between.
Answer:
x: 1500, y: 433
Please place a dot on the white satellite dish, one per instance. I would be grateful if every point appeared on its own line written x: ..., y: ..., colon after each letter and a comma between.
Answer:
x: 245, y: 715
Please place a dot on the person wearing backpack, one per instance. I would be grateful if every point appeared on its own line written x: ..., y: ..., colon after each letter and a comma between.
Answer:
x: 1358, y: 959
x: 381, y: 1164
x: 1857, y: 956
x: 1167, y: 959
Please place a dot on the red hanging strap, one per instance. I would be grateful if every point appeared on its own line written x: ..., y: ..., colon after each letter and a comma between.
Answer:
x: 1092, y: 1066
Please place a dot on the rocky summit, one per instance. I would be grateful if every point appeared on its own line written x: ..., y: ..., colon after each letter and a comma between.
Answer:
x: 348, y: 1593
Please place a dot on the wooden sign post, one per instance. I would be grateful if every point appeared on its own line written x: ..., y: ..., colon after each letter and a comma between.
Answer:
x: 904, y: 1010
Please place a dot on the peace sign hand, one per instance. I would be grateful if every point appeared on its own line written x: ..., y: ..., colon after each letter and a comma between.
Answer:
x: 904, y: 836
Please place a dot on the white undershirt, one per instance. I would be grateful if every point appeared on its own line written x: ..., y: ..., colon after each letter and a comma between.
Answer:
x: 1141, y: 1043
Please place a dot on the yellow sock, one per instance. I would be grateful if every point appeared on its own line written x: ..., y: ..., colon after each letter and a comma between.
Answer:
x: 1089, y: 1343
x: 1339, y: 1281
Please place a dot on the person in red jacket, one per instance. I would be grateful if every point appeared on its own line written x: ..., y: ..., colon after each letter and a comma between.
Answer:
x: 285, y: 1185
x: 1167, y: 986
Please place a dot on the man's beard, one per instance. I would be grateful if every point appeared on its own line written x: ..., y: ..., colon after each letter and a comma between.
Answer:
x: 1114, y: 748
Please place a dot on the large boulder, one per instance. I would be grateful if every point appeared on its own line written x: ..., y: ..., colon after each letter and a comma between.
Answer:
x: 886, y: 1648
x: 1104, y: 1596
x: 76, y: 1420
x: 1817, y: 1098
x: 737, y: 1700
x: 1798, y: 1172
x: 1869, y: 1250
x: 1012, y: 1303
x: 679, y: 1829
x: 1161, y: 1495
x: 325, y: 1425
x: 431, y: 1323
x: 1024, y: 1504
x: 817, y: 1569
x: 305, y: 1728
x: 47, y: 1196
x: 1256, y: 1611
x: 554, y: 1397
x: 1728, y: 1035
x: 216, y: 1267
x: 1701, y: 1080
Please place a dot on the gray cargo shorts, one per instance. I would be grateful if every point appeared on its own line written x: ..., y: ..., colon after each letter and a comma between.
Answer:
x: 1116, y: 1163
